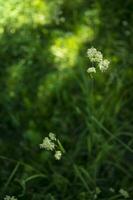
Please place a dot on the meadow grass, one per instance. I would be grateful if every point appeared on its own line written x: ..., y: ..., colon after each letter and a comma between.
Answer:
x: 95, y: 134
x: 45, y: 88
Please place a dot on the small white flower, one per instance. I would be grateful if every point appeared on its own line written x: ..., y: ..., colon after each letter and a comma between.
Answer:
x: 94, y: 55
x: 10, y: 198
x: 95, y: 196
x: 98, y: 190
x: 58, y: 155
x: 97, y: 57
x: 103, y: 65
x: 124, y: 193
x: 91, y: 70
x: 47, y: 144
x: 52, y: 136
x: 112, y: 190
x: 51, y: 143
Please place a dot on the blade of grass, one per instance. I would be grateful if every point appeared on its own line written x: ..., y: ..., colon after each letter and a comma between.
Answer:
x: 21, y: 163
x: 79, y: 174
x: 109, y: 133
x: 23, y: 183
x: 11, y: 176
x: 61, y: 147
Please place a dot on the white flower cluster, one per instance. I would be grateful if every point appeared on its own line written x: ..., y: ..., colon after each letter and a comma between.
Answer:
x: 94, y: 55
x: 124, y: 193
x: 10, y: 198
x: 91, y: 70
x: 97, y: 192
x: 48, y: 142
x: 58, y: 155
x: 51, y: 144
x: 103, y: 65
x: 97, y: 57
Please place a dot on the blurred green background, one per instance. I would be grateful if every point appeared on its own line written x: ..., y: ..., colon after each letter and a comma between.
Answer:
x: 44, y: 87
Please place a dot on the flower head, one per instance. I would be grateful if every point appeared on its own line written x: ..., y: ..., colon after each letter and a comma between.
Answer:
x: 51, y: 143
x: 58, y: 155
x: 103, y: 65
x: 52, y: 136
x: 97, y: 57
x: 47, y: 144
x: 91, y: 70
x: 10, y: 198
x: 98, y: 190
x: 124, y: 193
x: 94, y: 55
x: 112, y: 189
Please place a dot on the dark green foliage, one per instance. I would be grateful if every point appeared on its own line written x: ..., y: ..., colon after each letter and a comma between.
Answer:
x: 45, y: 87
